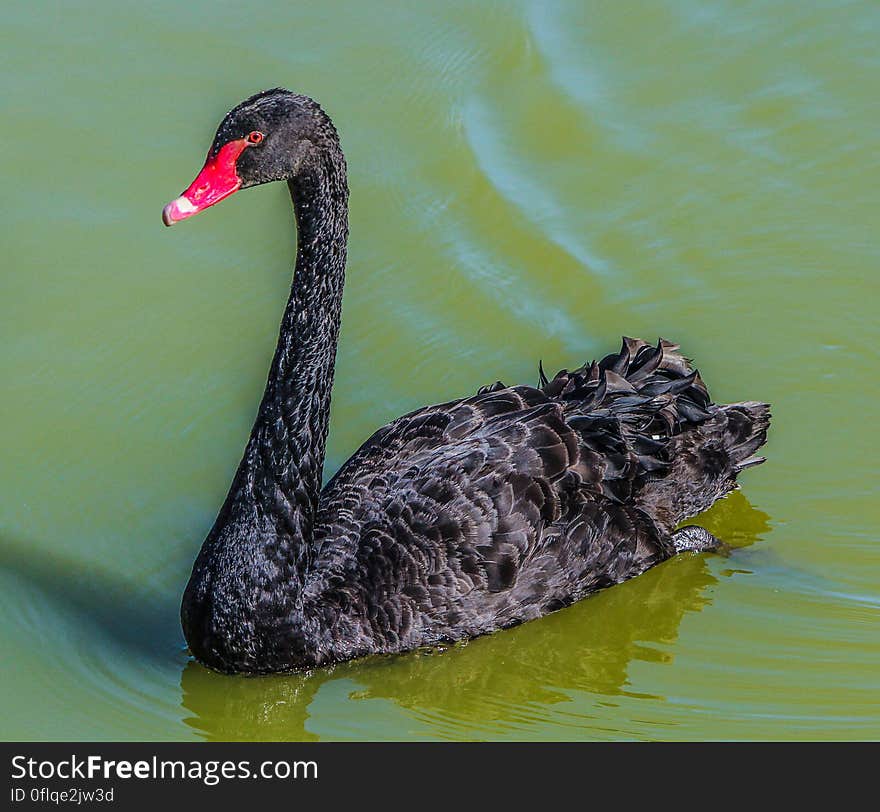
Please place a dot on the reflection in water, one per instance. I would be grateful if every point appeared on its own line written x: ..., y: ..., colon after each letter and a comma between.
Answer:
x: 495, y: 680
x: 124, y: 610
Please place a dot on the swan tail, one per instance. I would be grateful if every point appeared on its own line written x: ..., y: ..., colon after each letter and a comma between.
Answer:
x: 707, y: 459
x: 745, y: 432
x: 646, y: 420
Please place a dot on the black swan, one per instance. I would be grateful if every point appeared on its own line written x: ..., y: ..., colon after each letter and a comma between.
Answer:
x: 454, y: 520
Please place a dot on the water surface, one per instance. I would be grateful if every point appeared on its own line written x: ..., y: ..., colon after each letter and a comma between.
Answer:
x: 530, y: 180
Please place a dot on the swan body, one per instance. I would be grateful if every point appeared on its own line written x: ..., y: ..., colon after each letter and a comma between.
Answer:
x: 452, y: 521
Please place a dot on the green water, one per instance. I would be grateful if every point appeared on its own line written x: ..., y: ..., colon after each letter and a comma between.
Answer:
x: 529, y: 180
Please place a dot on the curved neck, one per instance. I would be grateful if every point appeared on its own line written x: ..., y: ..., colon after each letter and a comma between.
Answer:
x: 285, y: 455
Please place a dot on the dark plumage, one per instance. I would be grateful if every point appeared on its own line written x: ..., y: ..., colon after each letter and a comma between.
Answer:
x: 454, y: 520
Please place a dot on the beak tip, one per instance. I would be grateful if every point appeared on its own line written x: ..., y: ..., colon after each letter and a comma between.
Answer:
x: 178, y: 209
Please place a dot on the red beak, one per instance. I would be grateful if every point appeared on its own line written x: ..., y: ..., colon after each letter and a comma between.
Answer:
x: 218, y: 179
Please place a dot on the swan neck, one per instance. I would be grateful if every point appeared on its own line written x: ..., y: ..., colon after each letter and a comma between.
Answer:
x: 290, y: 436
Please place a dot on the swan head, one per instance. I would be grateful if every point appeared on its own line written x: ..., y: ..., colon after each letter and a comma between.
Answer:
x: 273, y: 135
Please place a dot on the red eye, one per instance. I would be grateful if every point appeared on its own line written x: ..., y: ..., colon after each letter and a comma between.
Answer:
x: 255, y: 137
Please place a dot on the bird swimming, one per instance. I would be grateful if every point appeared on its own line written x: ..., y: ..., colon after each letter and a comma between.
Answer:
x: 455, y: 520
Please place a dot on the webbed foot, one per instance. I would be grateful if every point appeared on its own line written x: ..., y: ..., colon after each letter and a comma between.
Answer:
x: 692, y: 538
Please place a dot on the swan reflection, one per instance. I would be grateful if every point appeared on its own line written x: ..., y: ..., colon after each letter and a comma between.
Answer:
x: 496, y: 680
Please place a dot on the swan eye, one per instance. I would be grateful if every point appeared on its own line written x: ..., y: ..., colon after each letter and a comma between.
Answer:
x: 255, y: 137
